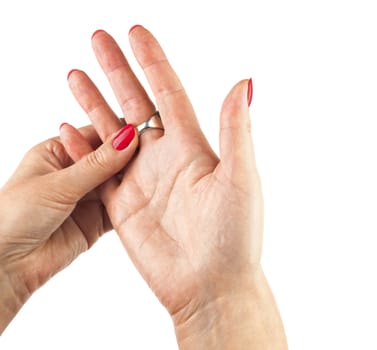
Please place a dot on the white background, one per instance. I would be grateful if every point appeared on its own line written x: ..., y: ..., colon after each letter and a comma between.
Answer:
x: 314, y: 113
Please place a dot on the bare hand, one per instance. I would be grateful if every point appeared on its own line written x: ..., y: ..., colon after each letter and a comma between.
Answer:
x: 186, y: 218
x: 191, y: 222
x: 50, y: 212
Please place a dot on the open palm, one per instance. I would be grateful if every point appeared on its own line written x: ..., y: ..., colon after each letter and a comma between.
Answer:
x: 185, y: 217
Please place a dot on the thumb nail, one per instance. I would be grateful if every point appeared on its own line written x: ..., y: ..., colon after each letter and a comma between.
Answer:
x: 124, y: 137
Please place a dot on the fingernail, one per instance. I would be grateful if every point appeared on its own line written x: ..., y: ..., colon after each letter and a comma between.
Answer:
x: 124, y: 137
x: 70, y: 72
x: 96, y: 32
x: 249, y: 92
x: 133, y: 27
x: 61, y: 125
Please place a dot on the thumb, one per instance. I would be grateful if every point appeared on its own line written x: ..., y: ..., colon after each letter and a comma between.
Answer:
x: 236, y: 147
x: 97, y: 166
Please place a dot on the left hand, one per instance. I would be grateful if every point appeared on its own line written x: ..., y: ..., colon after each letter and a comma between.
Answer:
x: 188, y: 220
x: 50, y: 212
x: 191, y: 222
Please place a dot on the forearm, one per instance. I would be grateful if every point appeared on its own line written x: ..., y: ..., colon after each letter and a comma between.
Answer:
x: 12, y: 297
x: 245, y: 321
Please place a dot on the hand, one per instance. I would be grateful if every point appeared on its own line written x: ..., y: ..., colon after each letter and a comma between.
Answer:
x: 191, y: 222
x: 50, y: 212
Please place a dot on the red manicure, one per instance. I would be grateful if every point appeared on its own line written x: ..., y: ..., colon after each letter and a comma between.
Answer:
x: 133, y: 27
x: 124, y: 137
x: 96, y: 32
x: 70, y: 72
x: 249, y: 92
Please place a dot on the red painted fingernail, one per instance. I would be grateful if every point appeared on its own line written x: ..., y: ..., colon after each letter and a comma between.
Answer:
x: 124, y: 137
x: 249, y: 92
x: 70, y: 72
x: 96, y: 32
x: 61, y: 125
x: 133, y: 27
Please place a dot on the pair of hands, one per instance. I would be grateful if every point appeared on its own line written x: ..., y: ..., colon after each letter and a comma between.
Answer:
x: 191, y: 222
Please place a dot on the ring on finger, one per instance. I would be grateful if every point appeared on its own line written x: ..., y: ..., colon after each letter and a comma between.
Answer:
x: 153, y: 122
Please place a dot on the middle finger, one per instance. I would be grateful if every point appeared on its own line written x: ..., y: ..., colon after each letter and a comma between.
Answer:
x: 132, y: 98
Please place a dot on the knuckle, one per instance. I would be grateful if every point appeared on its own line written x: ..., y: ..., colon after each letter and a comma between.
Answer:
x: 51, y: 152
x: 56, y: 149
x: 97, y: 159
x: 132, y: 103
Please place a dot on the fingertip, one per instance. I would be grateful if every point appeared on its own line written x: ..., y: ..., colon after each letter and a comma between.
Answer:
x: 236, y: 100
x: 71, y: 72
x: 134, y: 27
x: 62, y: 125
x: 97, y: 32
x: 124, y: 137
x: 66, y: 128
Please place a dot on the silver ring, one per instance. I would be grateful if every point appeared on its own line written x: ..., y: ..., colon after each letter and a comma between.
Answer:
x: 153, y: 122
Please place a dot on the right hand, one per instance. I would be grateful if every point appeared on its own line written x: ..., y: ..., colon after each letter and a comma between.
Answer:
x: 51, y: 211
x: 191, y: 222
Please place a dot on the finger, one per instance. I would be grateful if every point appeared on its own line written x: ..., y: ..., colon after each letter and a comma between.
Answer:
x: 132, y: 98
x: 79, y: 142
x: 90, y: 134
x: 97, y: 166
x: 92, y: 102
x: 77, y: 146
x: 34, y: 162
x: 236, y: 147
x: 172, y: 101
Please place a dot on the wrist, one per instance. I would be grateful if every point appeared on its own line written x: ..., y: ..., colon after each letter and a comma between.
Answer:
x: 245, y: 318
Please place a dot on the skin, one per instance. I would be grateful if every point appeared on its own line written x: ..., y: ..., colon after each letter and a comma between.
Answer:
x: 191, y: 222
x: 50, y: 212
